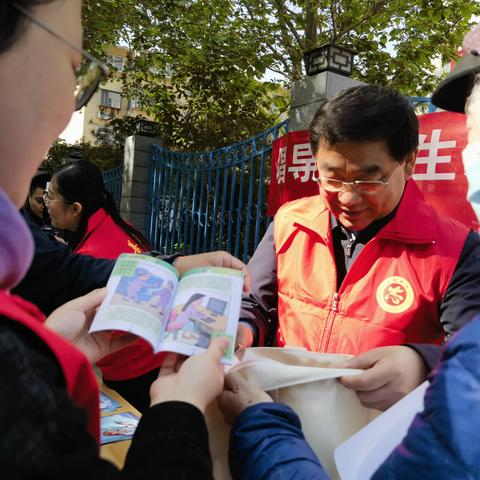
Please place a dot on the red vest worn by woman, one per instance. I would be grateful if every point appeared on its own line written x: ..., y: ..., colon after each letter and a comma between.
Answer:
x: 80, y: 380
x: 105, y: 239
x: 392, y: 292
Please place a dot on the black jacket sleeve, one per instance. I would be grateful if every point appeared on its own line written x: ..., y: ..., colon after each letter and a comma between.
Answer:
x: 44, y: 434
x: 56, y: 275
x: 260, y: 306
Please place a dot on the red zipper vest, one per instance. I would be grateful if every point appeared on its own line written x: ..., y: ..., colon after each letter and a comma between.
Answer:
x: 78, y: 373
x: 390, y: 295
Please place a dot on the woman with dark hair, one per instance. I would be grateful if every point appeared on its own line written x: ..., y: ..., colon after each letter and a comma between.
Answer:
x: 78, y: 202
x: 49, y: 394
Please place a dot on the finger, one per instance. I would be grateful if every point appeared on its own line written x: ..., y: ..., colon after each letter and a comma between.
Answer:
x: 234, y: 382
x: 90, y: 301
x: 371, y: 379
x: 169, y: 364
x: 244, y: 336
x: 376, y: 396
x: 217, y: 348
x: 229, y: 261
x: 247, y: 280
x: 225, y: 399
x: 364, y: 361
x: 379, y: 399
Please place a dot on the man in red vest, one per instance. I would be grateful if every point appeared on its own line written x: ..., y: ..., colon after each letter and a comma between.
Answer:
x: 367, y: 267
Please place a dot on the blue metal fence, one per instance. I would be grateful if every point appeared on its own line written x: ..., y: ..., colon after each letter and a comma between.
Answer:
x: 113, y: 182
x: 214, y: 200
x: 423, y: 101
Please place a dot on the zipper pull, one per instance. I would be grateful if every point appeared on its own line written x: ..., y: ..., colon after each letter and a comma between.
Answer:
x: 336, y: 299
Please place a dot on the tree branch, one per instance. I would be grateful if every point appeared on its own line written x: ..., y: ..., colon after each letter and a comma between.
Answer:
x: 287, y: 23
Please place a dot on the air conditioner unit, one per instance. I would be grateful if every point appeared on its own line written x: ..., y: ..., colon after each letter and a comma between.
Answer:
x: 104, y: 115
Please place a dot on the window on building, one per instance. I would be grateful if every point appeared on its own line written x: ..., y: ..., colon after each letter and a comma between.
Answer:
x: 110, y: 99
x: 116, y: 61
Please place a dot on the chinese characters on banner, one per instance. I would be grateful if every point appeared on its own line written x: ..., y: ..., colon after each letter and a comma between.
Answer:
x: 438, y: 170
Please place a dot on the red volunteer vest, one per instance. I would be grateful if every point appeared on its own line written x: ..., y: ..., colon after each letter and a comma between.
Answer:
x: 77, y: 371
x: 390, y: 295
x: 105, y: 239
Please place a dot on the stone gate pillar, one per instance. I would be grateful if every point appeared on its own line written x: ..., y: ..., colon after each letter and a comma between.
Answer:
x: 136, y: 166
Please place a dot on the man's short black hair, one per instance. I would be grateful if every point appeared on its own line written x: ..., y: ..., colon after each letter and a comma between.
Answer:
x: 39, y: 181
x: 367, y: 113
x: 11, y: 20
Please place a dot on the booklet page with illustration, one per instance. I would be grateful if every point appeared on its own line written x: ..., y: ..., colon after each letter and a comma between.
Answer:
x: 146, y: 297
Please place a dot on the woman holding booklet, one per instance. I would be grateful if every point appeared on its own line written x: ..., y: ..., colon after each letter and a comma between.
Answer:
x: 79, y: 203
x: 49, y: 394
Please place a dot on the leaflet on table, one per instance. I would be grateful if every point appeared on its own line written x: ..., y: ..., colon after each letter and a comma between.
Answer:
x: 146, y: 297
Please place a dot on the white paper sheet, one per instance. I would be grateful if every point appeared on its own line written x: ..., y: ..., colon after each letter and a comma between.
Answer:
x: 359, y: 457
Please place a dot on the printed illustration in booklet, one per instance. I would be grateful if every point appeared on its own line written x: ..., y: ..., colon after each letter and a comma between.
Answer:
x: 146, y: 297
x: 117, y: 427
x: 107, y: 403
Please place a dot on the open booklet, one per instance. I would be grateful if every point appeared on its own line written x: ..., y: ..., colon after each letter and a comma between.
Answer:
x: 146, y: 297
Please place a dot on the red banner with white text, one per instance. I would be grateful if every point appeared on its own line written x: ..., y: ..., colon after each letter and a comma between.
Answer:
x: 438, y: 170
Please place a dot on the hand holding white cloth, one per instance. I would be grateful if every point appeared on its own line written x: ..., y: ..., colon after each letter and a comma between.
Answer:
x: 307, y: 382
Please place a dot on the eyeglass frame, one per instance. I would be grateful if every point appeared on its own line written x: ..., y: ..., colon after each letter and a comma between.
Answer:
x: 103, y: 69
x: 48, y: 201
x: 343, y: 184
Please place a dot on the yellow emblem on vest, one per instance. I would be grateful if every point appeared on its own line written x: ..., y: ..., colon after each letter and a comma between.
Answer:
x: 395, y: 295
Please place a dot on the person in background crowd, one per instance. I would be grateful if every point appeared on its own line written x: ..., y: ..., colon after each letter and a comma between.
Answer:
x: 367, y: 267
x: 49, y: 414
x: 78, y: 202
x: 442, y: 442
x: 34, y: 206
x: 56, y: 275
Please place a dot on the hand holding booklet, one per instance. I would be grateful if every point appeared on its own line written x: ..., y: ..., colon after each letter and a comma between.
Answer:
x: 147, y: 297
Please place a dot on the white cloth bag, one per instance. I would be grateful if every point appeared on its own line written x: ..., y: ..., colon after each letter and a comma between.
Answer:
x: 306, y: 382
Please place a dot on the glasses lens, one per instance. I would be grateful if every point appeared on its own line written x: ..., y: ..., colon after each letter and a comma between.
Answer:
x: 89, y: 75
x: 367, y: 188
x: 331, y: 185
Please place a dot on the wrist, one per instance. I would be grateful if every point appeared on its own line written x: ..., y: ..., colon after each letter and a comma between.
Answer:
x: 178, y: 398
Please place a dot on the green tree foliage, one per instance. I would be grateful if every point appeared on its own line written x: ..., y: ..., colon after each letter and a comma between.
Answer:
x: 104, y: 156
x: 198, y: 65
x: 395, y: 40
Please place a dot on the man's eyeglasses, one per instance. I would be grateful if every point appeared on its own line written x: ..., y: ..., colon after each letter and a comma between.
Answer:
x: 91, y: 71
x: 363, y: 187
